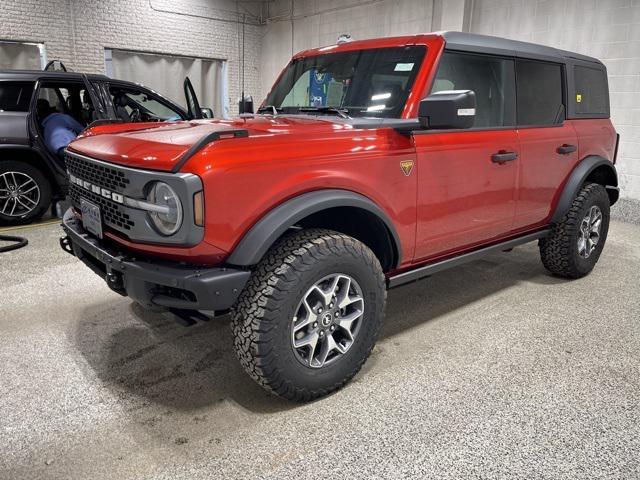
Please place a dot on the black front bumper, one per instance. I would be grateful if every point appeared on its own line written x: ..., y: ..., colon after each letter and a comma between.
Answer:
x: 158, y: 283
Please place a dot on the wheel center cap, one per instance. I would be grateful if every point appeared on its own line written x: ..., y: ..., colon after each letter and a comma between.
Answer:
x: 326, y: 320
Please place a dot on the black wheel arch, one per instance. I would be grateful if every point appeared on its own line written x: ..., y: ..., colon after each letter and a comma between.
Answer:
x: 592, y: 168
x: 310, y: 210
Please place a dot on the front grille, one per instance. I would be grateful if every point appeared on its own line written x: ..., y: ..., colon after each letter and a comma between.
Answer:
x: 113, y: 188
x: 107, y: 177
x: 112, y: 213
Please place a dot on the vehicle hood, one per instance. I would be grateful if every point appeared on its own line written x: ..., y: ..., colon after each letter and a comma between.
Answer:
x: 161, y: 146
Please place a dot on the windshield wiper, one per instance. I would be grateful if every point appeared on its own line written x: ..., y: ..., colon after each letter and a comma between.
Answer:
x: 273, y: 110
x: 341, y: 112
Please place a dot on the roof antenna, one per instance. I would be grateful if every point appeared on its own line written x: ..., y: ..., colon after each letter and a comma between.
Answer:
x: 246, y: 104
x: 344, y: 38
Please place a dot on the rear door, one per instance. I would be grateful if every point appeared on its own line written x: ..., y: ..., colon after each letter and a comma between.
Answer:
x: 467, y: 178
x: 548, y: 143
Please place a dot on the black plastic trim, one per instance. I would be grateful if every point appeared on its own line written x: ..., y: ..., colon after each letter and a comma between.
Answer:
x: 203, y: 142
x: 576, y: 180
x: 147, y: 281
x: 269, y: 228
x: 421, y: 272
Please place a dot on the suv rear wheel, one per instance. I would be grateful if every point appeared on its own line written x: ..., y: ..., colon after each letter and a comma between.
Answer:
x: 575, y: 243
x: 309, y: 317
x: 25, y: 194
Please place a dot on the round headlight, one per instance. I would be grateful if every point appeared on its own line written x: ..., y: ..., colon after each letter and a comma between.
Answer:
x: 167, y: 217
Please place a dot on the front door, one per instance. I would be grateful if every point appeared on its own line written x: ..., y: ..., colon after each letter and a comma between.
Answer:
x: 467, y: 178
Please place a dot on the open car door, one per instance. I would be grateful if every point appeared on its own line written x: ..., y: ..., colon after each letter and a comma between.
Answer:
x: 193, y: 106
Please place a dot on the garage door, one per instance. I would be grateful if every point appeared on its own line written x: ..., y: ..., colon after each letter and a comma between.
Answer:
x: 165, y: 74
x: 22, y: 56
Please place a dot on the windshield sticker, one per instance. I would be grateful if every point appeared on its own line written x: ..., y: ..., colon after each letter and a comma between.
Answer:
x: 403, y: 67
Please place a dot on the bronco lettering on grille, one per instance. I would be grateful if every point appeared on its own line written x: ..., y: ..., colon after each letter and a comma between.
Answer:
x: 116, y: 197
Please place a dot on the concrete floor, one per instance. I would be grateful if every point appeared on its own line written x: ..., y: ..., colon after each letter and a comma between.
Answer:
x: 491, y: 370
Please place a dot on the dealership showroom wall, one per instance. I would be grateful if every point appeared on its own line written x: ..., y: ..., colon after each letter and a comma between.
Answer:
x: 202, y: 293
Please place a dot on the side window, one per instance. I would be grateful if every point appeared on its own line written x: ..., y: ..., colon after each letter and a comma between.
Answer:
x: 591, y: 91
x: 539, y: 93
x: 139, y: 106
x: 68, y: 98
x: 15, y: 96
x: 492, y: 80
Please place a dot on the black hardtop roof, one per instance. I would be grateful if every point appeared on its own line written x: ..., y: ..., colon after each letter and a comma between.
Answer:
x: 35, y: 74
x: 472, y: 42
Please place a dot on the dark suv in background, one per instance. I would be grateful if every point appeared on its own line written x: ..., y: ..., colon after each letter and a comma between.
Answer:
x: 32, y: 177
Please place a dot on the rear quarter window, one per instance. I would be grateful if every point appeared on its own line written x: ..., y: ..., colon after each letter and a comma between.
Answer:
x: 591, y: 91
x: 15, y: 96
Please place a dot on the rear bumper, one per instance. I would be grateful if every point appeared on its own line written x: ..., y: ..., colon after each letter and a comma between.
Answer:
x: 157, y: 283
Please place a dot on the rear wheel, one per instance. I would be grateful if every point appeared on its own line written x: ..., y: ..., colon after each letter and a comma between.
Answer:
x: 25, y: 194
x: 310, y: 314
x: 576, y: 242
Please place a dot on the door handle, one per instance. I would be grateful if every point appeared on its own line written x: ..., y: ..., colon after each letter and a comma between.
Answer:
x: 566, y: 149
x: 503, y: 157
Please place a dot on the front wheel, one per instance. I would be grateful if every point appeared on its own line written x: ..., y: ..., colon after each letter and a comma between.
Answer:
x: 576, y: 242
x: 310, y: 314
x: 25, y: 194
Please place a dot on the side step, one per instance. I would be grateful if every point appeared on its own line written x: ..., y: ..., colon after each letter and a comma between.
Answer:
x: 418, y: 273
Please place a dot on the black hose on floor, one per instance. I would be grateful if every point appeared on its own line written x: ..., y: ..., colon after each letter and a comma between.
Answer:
x: 18, y: 242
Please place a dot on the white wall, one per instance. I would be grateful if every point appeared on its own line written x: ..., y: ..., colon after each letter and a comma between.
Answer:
x: 316, y: 23
x: 77, y: 31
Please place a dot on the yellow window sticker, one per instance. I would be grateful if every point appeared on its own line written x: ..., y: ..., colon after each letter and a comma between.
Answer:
x: 578, y: 97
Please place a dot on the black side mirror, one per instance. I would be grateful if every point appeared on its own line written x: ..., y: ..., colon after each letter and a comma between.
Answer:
x: 206, y: 112
x: 448, y: 109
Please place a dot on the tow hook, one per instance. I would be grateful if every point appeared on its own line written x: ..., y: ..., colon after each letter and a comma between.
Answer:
x: 114, y: 282
x: 65, y: 243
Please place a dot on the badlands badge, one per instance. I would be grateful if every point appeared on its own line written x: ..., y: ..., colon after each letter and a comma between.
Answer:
x: 406, y: 166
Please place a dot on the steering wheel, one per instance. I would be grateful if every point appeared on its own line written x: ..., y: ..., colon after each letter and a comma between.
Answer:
x: 135, y: 115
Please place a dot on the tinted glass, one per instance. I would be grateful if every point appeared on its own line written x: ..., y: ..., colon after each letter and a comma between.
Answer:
x: 15, y: 96
x: 369, y: 83
x: 490, y: 78
x: 149, y: 108
x: 592, y: 93
x: 539, y: 93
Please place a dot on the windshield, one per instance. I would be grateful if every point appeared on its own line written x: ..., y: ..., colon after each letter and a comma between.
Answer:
x: 362, y: 83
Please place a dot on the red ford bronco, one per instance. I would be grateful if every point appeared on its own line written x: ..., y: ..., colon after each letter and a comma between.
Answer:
x: 369, y: 165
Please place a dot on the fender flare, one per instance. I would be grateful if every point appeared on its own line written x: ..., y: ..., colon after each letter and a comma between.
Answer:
x: 262, y: 235
x: 577, y: 178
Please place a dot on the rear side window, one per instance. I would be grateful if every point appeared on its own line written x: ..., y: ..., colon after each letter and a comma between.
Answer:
x: 492, y: 80
x: 539, y: 93
x: 15, y: 96
x: 591, y: 91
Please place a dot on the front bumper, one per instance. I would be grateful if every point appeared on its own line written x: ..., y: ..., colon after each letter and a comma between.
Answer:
x: 154, y: 283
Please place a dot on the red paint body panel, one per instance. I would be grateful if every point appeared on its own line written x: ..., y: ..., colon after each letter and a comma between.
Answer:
x: 455, y: 198
x: 463, y: 197
x: 541, y: 169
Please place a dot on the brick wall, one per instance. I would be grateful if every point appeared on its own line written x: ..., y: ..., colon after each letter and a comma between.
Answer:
x: 77, y: 32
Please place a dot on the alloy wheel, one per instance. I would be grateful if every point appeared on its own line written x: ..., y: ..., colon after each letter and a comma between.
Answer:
x: 589, y: 234
x: 327, y: 320
x: 19, y: 194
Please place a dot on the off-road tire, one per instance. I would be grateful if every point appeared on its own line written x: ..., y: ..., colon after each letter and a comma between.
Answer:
x: 263, y: 314
x: 559, y: 251
x: 44, y: 201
